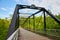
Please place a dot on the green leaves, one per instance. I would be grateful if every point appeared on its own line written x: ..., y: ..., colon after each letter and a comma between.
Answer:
x: 4, y: 25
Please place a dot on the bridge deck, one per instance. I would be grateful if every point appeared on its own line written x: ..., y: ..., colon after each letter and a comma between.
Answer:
x: 27, y: 35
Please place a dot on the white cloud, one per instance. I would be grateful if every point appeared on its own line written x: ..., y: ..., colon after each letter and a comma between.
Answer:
x: 4, y: 9
x: 24, y: 15
x: 53, y: 5
x: 17, y: 0
x: 27, y: 11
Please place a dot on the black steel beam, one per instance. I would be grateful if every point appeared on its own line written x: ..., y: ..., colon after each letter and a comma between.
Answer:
x: 31, y: 15
x: 44, y: 21
x: 33, y: 22
x: 55, y: 18
x: 30, y: 7
x: 13, y: 22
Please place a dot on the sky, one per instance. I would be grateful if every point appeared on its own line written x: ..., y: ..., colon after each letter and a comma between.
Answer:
x: 7, y: 6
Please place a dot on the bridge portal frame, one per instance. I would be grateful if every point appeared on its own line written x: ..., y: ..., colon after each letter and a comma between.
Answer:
x: 15, y: 19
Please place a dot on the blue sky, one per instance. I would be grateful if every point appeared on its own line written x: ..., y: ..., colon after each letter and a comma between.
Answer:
x: 7, y: 6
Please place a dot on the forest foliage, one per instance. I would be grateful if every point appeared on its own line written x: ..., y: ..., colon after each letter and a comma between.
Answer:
x: 39, y: 25
x: 4, y: 25
x: 39, y: 22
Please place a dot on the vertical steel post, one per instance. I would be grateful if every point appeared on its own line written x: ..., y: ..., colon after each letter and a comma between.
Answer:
x: 44, y: 22
x: 29, y: 23
x: 18, y: 19
x: 33, y: 23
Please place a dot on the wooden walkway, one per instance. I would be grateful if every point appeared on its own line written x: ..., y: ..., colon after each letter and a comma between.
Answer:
x: 27, y: 35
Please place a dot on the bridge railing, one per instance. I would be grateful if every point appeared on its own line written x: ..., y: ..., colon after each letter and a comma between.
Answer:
x: 36, y: 24
x: 41, y: 26
x: 14, y: 36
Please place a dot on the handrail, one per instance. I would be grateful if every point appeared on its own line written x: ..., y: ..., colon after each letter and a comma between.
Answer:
x: 14, y: 36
